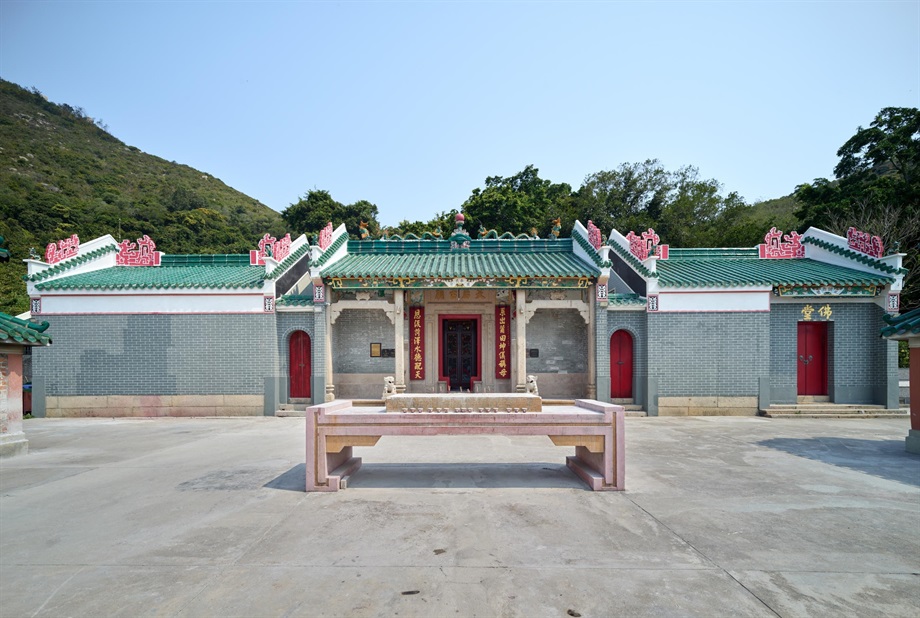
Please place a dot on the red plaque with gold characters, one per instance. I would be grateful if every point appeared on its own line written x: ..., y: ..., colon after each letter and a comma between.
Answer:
x: 502, y: 342
x: 417, y: 343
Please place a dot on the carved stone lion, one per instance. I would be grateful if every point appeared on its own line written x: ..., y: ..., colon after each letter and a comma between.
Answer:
x: 389, y: 386
x: 532, y: 386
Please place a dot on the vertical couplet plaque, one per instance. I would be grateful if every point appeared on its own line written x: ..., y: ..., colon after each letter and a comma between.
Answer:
x: 417, y: 342
x: 502, y: 341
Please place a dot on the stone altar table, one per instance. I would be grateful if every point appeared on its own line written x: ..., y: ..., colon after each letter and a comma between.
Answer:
x: 595, y: 429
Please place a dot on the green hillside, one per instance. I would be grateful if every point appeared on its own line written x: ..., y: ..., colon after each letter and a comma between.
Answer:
x: 61, y: 174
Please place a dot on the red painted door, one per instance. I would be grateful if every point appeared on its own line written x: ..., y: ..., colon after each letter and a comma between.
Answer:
x: 621, y: 365
x: 300, y: 370
x: 811, y: 358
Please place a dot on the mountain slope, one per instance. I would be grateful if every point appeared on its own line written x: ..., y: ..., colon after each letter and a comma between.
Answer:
x: 61, y: 174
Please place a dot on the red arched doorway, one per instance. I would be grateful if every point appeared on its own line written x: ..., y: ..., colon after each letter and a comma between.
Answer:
x: 300, y: 369
x: 621, y: 365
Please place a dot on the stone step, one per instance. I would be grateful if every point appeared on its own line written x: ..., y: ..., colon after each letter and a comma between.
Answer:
x: 291, y: 413
x: 623, y: 402
x: 640, y: 413
x: 843, y: 415
x: 825, y: 406
x: 814, y: 398
x: 843, y: 411
x: 367, y: 403
x: 293, y: 406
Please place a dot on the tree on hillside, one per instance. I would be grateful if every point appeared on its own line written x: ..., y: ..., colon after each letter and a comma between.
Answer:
x: 876, y: 189
x: 518, y: 203
x: 685, y: 209
x: 315, y: 209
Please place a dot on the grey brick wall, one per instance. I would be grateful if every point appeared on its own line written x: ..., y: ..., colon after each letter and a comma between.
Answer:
x: 601, y: 353
x: 158, y: 355
x: 708, y: 354
x: 352, y: 335
x: 561, y: 336
x: 636, y: 324
x: 860, y: 362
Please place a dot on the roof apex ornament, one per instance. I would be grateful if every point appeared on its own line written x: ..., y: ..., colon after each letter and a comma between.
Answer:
x: 557, y: 227
x: 594, y: 235
x: 363, y: 232
x: 777, y: 246
x: 325, y: 236
x: 459, y: 239
x: 64, y: 249
x: 141, y: 253
x: 865, y: 243
x: 646, y: 245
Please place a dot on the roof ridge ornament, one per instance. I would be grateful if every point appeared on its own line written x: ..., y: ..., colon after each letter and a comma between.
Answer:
x: 141, y: 253
x: 270, y: 247
x: 325, y: 236
x: 459, y: 239
x: 594, y: 235
x: 777, y: 246
x: 64, y: 249
x: 863, y: 242
x: 646, y: 245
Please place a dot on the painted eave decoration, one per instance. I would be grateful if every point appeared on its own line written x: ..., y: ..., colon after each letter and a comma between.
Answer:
x: 22, y: 332
x: 904, y: 326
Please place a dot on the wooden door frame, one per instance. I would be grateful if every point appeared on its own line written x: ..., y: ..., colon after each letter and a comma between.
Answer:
x: 309, y: 364
x: 632, y: 368
x: 459, y: 316
x: 826, y: 369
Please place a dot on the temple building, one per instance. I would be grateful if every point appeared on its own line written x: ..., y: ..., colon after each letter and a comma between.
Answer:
x: 625, y: 319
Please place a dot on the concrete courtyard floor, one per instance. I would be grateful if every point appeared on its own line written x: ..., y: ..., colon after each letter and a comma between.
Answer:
x: 723, y: 516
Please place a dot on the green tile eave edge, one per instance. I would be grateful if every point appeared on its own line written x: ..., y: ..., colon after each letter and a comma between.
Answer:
x: 853, y: 255
x: 23, y: 331
x: 330, y: 250
x: 289, y: 261
x: 905, y: 323
x: 630, y: 259
x: 53, y: 285
x: 591, y: 251
x: 71, y: 263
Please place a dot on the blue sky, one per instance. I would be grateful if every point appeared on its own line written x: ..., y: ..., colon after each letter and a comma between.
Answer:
x: 411, y: 105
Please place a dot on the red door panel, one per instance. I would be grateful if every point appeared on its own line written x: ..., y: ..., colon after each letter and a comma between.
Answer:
x: 300, y: 370
x: 811, y: 358
x: 621, y: 365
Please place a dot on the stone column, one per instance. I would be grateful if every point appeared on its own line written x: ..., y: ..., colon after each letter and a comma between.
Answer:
x: 330, y: 385
x: 521, y: 347
x: 592, y: 322
x: 399, y: 324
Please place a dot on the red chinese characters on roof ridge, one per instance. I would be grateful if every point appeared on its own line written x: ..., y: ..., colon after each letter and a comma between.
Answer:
x: 325, y: 236
x: 63, y: 249
x: 594, y: 235
x: 864, y: 242
x: 777, y: 246
x: 141, y: 253
x: 270, y: 247
x: 647, y: 244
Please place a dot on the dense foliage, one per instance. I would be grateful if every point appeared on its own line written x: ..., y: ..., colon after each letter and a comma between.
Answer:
x: 62, y: 173
x: 876, y: 189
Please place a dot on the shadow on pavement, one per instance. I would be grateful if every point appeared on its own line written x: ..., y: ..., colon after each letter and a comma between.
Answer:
x: 441, y: 475
x: 294, y: 479
x: 882, y: 458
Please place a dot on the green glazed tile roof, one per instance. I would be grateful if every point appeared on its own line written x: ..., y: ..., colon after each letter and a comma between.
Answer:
x: 486, y: 258
x: 904, y: 324
x: 327, y: 253
x: 174, y: 272
x: 692, y: 268
x: 71, y: 263
x: 854, y: 255
x: 625, y: 300
x: 591, y: 251
x: 14, y: 330
x: 296, y: 300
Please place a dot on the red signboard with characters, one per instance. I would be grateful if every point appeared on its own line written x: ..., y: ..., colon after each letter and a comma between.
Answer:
x: 417, y: 343
x: 502, y: 342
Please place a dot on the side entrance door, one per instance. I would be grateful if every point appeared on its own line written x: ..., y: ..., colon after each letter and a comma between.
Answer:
x: 459, y: 350
x: 811, y: 358
x: 299, y: 363
x: 621, y: 365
